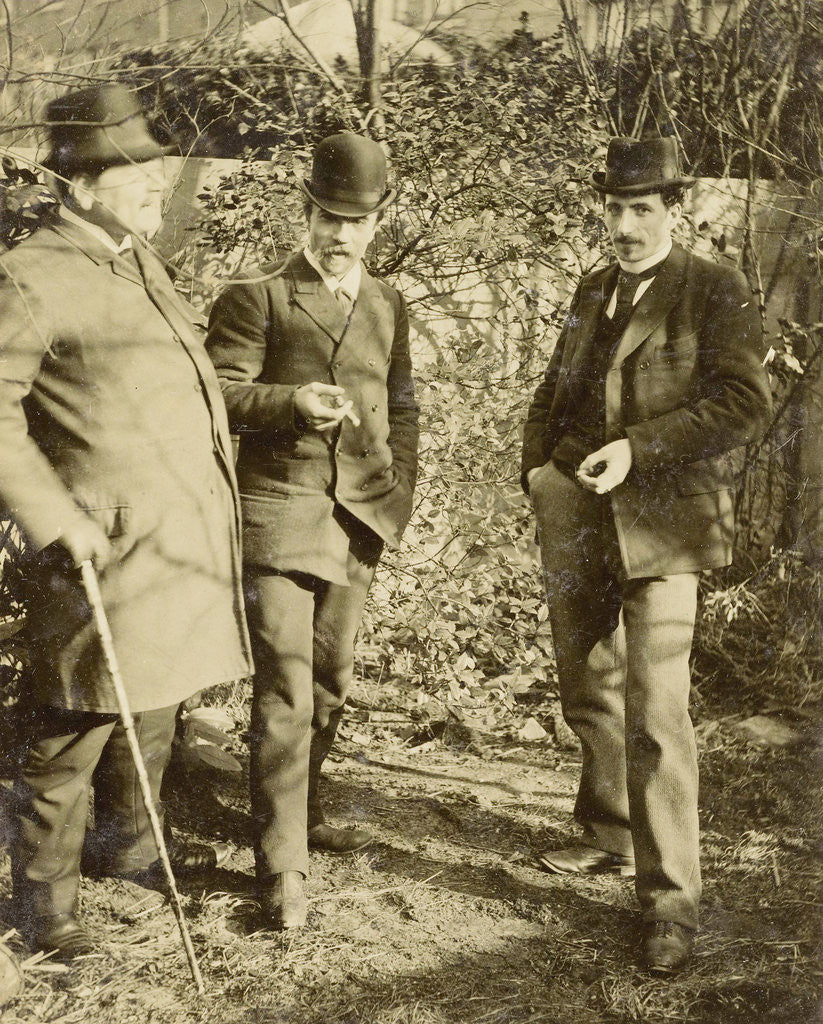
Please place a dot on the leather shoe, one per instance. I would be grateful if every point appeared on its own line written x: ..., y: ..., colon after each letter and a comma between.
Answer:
x: 337, y: 840
x: 283, y: 902
x: 191, y: 858
x: 62, y: 935
x: 666, y: 946
x: 586, y: 860
x: 186, y: 859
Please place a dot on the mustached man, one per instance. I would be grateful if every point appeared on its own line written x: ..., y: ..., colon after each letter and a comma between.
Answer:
x: 314, y: 364
x: 656, y: 377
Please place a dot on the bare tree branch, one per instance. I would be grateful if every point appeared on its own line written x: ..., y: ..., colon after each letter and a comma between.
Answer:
x: 284, y: 14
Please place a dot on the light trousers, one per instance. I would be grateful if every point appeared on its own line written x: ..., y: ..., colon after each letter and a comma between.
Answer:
x: 303, y: 631
x: 622, y: 649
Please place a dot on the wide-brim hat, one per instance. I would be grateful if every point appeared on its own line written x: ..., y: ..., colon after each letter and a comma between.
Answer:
x: 636, y: 166
x: 348, y: 176
x: 100, y: 126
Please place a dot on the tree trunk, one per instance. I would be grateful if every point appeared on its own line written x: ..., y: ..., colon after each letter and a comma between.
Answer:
x: 367, y: 17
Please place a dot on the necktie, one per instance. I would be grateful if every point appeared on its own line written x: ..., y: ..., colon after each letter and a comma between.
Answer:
x: 130, y: 258
x: 344, y: 300
x: 627, y: 285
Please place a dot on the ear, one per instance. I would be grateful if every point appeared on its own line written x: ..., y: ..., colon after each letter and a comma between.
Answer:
x: 79, y: 191
x: 376, y: 218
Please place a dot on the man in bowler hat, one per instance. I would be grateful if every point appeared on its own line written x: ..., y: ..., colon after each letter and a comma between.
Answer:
x: 314, y: 364
x: 656, y: 377
x: 114, y: 448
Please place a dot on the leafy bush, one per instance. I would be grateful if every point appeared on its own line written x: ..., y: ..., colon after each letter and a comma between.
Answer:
x: 491, y: 157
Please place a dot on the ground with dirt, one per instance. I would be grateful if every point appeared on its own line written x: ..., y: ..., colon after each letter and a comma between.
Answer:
x: 446, y: 919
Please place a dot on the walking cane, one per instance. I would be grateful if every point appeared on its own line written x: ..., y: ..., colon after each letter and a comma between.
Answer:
x: 92, y: 588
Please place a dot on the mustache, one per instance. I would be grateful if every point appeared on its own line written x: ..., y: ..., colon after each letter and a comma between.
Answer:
x: 626, y: 240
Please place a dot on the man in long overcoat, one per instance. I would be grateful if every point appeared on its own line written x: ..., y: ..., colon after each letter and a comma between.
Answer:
x: 314, y: 363
x: 656, y: 377
x: 114, y: 447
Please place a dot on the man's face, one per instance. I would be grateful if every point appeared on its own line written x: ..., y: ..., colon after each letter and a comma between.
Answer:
x: 639, y: 225
x: 129, y: 196
x: 339, y: 242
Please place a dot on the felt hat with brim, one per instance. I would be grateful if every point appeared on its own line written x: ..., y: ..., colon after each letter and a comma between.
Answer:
x: 348, y: 176
x: 638, y: 166
x: 100, y: 126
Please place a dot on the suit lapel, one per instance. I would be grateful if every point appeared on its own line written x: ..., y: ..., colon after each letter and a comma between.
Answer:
x: 180, y: 317
x: 653, y: 307
x: 101, y: 254
x: 593, y: 297
x: 161, y: 292
x: 154, y: 280
x: 315, y: 299
x: 371, y: 327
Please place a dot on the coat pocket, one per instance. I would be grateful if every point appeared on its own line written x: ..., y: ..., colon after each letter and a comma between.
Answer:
x: 704, y: 476
x: 113, y: 519
x: 675, y: 351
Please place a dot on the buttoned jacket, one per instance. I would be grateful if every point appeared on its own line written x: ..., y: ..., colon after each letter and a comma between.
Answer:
x: 270, y: 337
x: 110, y: 408
x: 686, y: 385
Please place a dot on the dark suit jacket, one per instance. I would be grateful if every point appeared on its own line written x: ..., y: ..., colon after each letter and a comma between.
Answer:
x: 266, y: 340
x: 686, y: 385
x: 109, y: 407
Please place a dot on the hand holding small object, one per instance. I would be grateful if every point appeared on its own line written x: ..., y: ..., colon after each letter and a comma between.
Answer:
x: 338, y: 402
x: 323, y: 406
x: 604, y: 469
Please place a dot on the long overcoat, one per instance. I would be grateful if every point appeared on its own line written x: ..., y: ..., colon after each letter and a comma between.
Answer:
x: 268, y: 338
x: 110, y: 407
x: 686, y: 385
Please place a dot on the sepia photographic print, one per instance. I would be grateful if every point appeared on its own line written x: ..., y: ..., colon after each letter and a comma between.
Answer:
x: 411, y: 511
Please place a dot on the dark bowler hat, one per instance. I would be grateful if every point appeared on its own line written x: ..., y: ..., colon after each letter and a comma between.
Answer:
x: 348, y: 176
x: 636, y: 166
x: 100, y: 126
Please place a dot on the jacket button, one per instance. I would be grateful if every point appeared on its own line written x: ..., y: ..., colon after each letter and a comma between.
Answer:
x: 644, y: 365
x: 364, y: 487
x: 336, y: 364
x: 366, y: 452
x: 374, y: 408
x: 371, y: 362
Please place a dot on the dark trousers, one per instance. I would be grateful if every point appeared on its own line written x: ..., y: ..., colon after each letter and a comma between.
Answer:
x: 622, y: 649
x: 303, y: 630
x: 65, y: 753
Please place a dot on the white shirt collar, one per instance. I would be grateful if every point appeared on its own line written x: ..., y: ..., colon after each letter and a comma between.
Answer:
x: 94, y: 229
x: 638, y: 268
x: 349, y: 282
x: 649, y: 261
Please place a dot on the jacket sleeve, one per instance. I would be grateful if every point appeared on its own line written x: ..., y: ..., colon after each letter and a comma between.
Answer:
x: 30, y: 489
x: 237, y: 341
x: 732, y: 403
x: 537, y: 441
x: 404, y: 412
